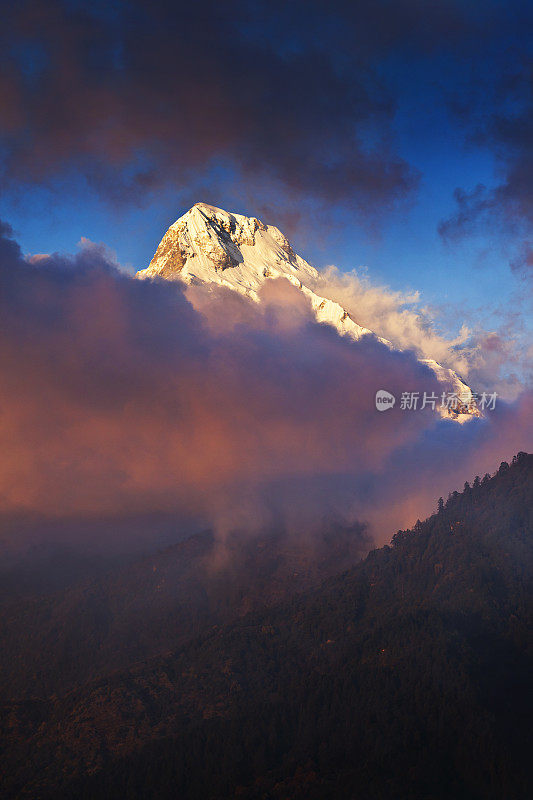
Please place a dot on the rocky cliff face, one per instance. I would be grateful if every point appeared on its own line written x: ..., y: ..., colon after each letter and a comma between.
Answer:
x: 210, y: 245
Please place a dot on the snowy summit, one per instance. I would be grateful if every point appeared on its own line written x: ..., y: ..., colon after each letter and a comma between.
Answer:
x: 210, y: 245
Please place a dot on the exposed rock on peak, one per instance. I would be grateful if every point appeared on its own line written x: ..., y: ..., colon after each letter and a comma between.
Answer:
x: 208, y: 244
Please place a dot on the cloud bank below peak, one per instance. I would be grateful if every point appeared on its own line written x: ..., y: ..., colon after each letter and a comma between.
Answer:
x: 121, y: 396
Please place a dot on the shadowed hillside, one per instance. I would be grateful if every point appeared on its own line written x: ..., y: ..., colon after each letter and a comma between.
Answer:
x: 52, y: 640
x: 407, y: 676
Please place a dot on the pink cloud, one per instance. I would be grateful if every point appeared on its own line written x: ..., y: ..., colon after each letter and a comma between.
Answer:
x: 125, y: 397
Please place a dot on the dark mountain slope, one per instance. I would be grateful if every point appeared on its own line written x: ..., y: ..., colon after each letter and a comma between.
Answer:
x: 406, y: 677
x: 53, y: 641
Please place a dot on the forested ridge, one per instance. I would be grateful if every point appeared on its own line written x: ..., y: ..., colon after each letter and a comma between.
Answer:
x: 408, y: 676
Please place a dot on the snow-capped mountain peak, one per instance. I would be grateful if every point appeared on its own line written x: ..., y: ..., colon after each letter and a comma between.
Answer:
x: 211, y: 246
x: 208, y: 244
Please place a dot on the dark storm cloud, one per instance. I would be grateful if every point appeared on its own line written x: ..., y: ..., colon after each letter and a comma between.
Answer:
x: 296, y: 97
x: 137, y: 94
x: 148, y: 91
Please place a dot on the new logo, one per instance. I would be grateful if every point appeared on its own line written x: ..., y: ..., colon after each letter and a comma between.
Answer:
x: 384, y: 400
